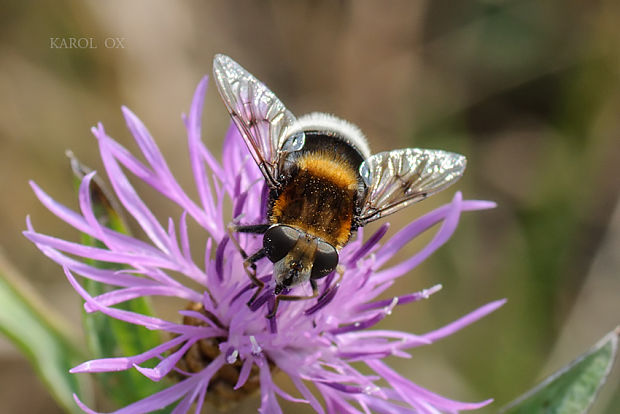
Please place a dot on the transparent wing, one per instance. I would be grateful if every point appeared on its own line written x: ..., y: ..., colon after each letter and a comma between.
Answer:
x: 402, y: 177
x: 262, y: 119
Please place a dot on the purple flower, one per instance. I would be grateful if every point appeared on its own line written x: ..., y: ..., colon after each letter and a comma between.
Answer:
x: 222, y: 348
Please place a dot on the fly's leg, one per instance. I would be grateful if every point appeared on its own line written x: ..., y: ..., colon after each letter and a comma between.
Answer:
x: 252, y: 228
x: 315, y: 293
x: 334, y: 285
x: 249, y: 262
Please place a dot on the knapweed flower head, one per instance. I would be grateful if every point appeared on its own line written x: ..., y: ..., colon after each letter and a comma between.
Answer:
x: 220, y: 348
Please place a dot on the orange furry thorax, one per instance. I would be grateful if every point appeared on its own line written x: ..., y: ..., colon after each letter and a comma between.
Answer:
x: 329, y: 166
x: 319, y: 197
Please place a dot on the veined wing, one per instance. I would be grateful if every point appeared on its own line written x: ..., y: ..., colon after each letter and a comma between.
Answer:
x: 402, y: 177
x: 262, y: 119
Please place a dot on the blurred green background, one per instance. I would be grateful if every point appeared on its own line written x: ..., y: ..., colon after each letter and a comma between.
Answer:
x: 528, y: 90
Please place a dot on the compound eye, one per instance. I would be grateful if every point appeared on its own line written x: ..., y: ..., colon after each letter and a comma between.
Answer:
x: 278, y: 241
x: 325, y: 260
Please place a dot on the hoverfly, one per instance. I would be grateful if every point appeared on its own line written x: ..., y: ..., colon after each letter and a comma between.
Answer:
x: 323, y: 181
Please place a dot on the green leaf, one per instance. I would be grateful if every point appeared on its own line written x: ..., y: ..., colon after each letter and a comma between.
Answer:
x: 108, y: 337
x: 572, y: 389
x: 31, y: 326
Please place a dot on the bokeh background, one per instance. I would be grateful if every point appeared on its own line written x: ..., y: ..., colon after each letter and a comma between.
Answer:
x: 528, y: 90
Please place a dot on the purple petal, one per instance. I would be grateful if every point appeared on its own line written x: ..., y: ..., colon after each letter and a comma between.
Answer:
x: 62, y: 212
x: 130, y: 317
x: 123, y: 363
x: 420, y: 225
x: 167, y: 364
x: 349, y: 389
x: 201, y: 398
x: 162, y: 181
x: 78, y: 222
x: 123, y: 295
x: 260, y: 301
x: 130, y: 199
x: 246, y: 368
x: 239, y: 204
x: 370, y: 243
x: 219, y: 258
x: 96, y: 253
x: 109, y: 277
x: 408, y: 390
x: 145, y: 142
x: 464, y: 321
x: 441, y: 237
x: 411, y: 297
x: 269, y: 402
x: 334, y: 401
x: 194, y: 141
x: 324, y: 300
x: 169, y: 395
x: 187, y: 254
x: 311, y: 399
x: 367, y: 323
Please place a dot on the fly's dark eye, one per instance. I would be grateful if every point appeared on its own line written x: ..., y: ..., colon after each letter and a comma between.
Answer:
x: 325, y: 260
x: 278, y: 241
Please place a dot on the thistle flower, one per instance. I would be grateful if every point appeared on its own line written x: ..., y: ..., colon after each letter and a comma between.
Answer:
x: 222, y: 349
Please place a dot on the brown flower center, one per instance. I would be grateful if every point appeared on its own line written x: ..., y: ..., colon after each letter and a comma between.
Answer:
x: 221, y: 392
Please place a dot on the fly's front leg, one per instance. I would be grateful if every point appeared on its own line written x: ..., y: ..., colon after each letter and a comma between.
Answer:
x: 252, y: 228
x: 315, y: 293
x: 334, y: 285
x: 249, y: 262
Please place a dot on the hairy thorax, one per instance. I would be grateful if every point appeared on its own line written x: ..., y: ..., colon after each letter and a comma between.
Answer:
x: 319, y: 197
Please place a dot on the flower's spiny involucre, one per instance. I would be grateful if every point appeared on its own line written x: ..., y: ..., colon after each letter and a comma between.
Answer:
x: 323, y: 341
